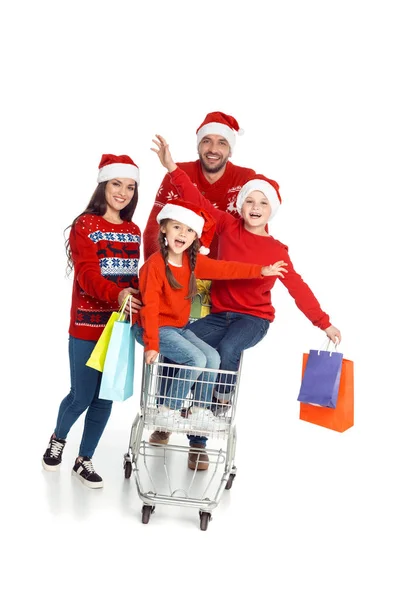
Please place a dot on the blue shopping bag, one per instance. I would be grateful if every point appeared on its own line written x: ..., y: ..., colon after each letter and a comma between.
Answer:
x: 117, y: 378
x: 321, y: 379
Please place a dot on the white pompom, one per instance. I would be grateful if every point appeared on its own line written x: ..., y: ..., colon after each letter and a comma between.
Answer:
x: 240, y: 131
x: 204, y: 250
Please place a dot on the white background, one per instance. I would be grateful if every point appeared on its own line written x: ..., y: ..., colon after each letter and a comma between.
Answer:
x: 312, y: 513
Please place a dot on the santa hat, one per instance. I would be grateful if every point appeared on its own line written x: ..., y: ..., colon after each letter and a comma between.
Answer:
x: 268, y: 187
x: 112, y: 167
x: 192, y: 216
x: 219, y: 123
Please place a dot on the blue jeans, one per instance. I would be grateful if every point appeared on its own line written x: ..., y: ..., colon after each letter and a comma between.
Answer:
x: 184, y: 348
x: 84, y: 395
x: 230, y: 333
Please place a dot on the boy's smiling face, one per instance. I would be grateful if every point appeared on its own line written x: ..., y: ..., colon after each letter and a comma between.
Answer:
x: 256, y: 211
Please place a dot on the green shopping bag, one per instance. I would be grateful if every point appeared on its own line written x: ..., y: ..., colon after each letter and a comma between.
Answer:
x: 97, y: 358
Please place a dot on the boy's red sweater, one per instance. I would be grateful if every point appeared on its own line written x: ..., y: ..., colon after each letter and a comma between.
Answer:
x: 236, y: 243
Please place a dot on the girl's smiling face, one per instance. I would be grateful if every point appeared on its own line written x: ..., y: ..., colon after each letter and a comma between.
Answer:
x: 256, y: 211
x: 179, y: 237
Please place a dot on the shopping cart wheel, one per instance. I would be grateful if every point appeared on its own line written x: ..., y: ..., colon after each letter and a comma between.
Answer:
x: 128, y: 469
x: 205, y: 518
x: 146, y: 513
x: 229, y: 483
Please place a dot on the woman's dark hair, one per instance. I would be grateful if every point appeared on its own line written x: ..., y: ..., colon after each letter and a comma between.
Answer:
x: 98, y: 206
x: 192, y: 253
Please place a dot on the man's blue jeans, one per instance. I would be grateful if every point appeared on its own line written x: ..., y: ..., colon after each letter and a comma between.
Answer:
x: 184, y: 348
x: 84, y: 394
x: 230, y: 333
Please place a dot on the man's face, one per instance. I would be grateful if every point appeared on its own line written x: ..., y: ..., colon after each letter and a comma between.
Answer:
x: 214, y: 152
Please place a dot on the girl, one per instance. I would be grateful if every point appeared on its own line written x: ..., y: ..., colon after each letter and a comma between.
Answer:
x: 103, y: 250
x: 167, y: 285
x: 242, y: 311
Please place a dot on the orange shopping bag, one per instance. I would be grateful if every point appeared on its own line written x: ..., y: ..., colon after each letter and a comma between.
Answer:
x: 341, y: 417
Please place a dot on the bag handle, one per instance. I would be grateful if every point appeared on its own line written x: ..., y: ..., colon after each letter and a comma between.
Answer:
x: 325, y: 347
x: 121, y: 311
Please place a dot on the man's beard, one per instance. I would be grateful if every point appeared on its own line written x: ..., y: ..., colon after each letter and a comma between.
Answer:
x: 215, y: 169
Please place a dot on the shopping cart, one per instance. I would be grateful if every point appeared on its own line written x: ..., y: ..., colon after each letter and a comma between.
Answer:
x: 201, y: 489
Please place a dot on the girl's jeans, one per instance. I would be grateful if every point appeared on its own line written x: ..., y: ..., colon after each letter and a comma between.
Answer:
x: 84, y: 394
x: 184, y: 348
x: 230, y: 333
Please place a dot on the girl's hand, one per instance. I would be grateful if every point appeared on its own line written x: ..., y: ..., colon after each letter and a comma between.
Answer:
x: 334, y: 334
x: 275, y: 270
x: 163, y: 153
x: 150, y: 356
x: 135, y: 302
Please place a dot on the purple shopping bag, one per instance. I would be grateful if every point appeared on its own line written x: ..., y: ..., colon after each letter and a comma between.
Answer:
x: 320, y: 384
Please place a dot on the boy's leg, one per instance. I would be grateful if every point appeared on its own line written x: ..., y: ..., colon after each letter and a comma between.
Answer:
x: 243, y: 332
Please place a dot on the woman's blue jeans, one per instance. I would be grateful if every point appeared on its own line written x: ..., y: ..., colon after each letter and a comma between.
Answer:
x: 182, y: 347
x: 84, y: 395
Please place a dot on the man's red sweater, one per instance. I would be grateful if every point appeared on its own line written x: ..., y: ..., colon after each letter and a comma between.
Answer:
x: 222, y: 194
x: 165, y: 306
x: 236, y: 243
x: 106, y: 260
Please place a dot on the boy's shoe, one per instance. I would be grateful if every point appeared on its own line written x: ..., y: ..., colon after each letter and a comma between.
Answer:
x: 202, y: 419
x: 198, y: 458
x: 159, y: 437
x: 84, y: 471
x: 52, y: 458
x: 218, y: 408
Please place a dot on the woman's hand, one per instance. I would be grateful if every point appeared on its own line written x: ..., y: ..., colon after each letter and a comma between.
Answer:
x: 275, y: 270
x: 135, y: 302
x: 150, y: 356
x: 163, y: 153
x: 333, y: 334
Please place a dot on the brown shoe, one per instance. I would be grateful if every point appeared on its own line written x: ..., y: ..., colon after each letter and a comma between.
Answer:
x: 198, y: 457
x: 159, y: 437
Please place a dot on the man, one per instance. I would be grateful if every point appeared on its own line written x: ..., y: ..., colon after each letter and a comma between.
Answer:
x: 214, y: 175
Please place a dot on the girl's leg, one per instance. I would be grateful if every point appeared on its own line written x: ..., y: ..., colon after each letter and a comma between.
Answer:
x: 203, y: 388
x: 175, y: 346
x: 85, y: 383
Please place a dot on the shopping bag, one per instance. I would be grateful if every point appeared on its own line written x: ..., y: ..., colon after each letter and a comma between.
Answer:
x: 340, y: 418
x: 98, y: 355
x: 117, y: 379
x: 201, y: 303
x: 320, y: 383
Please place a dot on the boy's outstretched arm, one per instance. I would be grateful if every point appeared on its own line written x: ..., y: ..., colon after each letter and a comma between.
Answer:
x: 163, y: 153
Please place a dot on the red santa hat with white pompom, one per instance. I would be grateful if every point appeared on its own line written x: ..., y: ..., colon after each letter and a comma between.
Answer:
x: 192, y: 216
x: 113, y: 167
x: 218, y: 123
x: 268, y: 187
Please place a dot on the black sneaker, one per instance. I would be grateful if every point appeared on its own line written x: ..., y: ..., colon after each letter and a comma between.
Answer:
x: 52, y: 458
x: 84, y: 471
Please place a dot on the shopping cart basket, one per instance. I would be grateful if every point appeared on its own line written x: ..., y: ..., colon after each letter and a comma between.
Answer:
x: 201, y: 489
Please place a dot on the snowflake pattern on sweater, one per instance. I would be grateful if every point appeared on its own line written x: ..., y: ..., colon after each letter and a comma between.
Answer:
x: 106, y: 260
